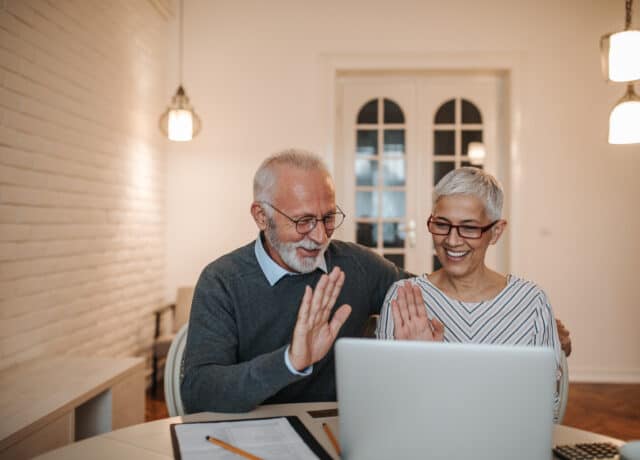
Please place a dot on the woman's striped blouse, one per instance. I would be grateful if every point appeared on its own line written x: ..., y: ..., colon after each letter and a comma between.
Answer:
x: 519, y: 315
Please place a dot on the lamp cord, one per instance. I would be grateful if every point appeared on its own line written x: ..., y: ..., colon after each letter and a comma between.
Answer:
x: 627, y: 21
x: 181, y: 15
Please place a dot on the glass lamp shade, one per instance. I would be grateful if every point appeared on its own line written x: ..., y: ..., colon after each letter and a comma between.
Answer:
x: 624, y: 121
x: 180, y: 122
x: 621, y: 56
x: 477, y: 153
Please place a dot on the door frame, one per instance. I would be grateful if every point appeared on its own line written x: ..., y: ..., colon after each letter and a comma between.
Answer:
x: 510, y: 66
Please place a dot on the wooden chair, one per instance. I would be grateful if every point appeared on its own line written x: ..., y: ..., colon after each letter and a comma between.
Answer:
x: 162, y: 341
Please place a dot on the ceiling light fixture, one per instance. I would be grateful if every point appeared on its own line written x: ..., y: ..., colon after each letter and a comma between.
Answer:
x: 624, y: 121
x: 620, y: 51
x: 477, y: 153
x: 180, y: 121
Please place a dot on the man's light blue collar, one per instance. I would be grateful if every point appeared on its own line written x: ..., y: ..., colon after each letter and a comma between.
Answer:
x: 271, y: 269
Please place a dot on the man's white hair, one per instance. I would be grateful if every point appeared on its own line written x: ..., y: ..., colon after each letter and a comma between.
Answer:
x: 266, y: 175
x: 476, y: 182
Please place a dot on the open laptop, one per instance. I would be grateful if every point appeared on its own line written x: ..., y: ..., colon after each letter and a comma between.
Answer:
x: 420, y: 400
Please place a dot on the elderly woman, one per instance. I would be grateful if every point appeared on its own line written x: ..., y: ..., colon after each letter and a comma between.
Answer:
x: 465, y: 301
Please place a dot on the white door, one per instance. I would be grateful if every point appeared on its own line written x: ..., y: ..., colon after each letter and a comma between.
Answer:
x: 396, y: 137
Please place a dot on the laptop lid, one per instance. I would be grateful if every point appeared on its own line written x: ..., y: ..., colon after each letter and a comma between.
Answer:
x: 421, y: 400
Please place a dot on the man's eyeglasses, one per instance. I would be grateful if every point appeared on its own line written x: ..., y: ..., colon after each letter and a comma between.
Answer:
x: 472, y: 232
x: 306, y: 224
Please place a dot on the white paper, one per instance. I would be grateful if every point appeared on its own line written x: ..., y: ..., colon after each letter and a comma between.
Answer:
x: 269, y: 439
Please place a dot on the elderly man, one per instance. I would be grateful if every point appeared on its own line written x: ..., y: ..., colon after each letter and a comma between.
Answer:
x: 265, y: 316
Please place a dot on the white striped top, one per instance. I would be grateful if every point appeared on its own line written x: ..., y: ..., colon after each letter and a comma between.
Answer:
x: 519, y: 315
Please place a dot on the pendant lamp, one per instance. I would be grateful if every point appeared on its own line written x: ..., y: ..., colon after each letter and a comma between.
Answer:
x: 180, y: 121
x: 477, y: 153
x: 620, y: 51
x: 624, y: 121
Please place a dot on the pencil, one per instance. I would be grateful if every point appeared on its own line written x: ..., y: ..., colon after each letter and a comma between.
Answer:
x: 230, y: 448
x: 331, y: 437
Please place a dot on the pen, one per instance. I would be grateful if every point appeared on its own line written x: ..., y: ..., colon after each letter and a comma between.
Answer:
x: 331, y: 437
x: 231, y: 448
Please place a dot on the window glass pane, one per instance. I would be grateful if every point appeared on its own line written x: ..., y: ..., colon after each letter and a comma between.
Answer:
x: 440, y: 169
x: 446, y: 113
x: 367, y: 142
x: 436, y: 263
x: 369, y: 113
x: 397, y: 259
x: 470, y: 113
x: 392, y: 112
x: 393, y: 235
x: 470, y: 136
x: 394, y: 141
x: 444, y: 143
x: 367, y: 234
x: 393, y: 204
x: 393, y: 172
x: 366, y: 204
x: 366, y: 172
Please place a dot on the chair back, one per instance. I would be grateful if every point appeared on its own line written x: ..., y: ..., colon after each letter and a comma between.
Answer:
x: 173, y: 373
x: 184, y: 298
x: 563, y: 387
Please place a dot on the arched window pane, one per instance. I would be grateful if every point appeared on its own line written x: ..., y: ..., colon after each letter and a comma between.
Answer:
x: 470, y: 113
x: 369, y: 113
x: 394, y: 141
x: 470, y: 136
x: 446, y: 114
x: 367, y: 142
x: 392, y: 112
x: 444, y: 142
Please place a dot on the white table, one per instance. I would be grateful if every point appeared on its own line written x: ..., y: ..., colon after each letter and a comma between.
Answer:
x: 48, y: 403
x: 152, y: 440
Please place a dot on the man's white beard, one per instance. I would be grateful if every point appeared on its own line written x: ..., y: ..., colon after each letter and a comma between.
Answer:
x: 287, y: 251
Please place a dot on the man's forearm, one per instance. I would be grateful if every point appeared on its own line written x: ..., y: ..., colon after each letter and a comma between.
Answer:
x: 236, y: 387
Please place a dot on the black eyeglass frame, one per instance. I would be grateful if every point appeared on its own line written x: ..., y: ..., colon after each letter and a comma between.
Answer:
x: 457, y: 227
x: 311, y: 220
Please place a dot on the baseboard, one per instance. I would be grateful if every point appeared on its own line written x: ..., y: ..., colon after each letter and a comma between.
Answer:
x: 586, y: 375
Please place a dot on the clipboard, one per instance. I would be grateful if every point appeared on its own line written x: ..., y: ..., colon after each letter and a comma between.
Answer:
x: 293, y: 420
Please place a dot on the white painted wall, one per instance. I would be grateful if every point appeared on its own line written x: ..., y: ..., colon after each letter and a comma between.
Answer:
x: 257, y: 73
x: 82, y: 177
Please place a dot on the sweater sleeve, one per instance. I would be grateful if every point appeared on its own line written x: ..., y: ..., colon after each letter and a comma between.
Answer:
x: 214, y: 379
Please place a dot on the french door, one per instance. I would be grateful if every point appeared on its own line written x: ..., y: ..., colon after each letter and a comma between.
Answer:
x: 396, y: 137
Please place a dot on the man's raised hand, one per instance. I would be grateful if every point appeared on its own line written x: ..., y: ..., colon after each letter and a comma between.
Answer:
x: 314, y: 334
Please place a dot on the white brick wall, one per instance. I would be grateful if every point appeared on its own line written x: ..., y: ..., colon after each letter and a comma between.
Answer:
x: 82, y: 181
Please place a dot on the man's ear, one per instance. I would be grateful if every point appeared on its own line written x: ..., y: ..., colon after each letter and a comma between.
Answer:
x: 497, y: 230
x: 259, y: 215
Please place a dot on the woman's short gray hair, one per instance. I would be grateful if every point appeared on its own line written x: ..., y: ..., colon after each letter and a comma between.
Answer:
x: 476, y: 182
x: 266, y: 176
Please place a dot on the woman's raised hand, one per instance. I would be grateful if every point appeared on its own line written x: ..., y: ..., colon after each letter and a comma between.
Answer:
x: 410, y: 318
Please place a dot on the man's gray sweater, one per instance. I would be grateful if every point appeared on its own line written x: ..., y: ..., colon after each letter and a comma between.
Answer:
x: 240, y: 326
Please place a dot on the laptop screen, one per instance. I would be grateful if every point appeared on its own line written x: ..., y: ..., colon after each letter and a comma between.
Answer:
x: 410, y: 400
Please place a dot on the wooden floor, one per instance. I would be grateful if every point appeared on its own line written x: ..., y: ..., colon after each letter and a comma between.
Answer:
x: 613, y: 410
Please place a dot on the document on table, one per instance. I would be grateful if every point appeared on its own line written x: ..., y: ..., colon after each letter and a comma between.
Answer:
x: 273, y: 438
